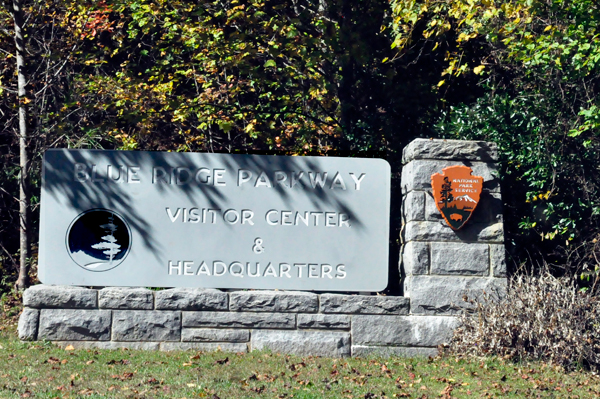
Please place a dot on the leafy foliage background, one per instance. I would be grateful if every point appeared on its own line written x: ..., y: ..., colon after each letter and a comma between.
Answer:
x: 328, y: 78
x: 537, y: 62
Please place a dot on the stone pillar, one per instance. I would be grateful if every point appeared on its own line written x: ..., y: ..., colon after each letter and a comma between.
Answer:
x: 441, y: 266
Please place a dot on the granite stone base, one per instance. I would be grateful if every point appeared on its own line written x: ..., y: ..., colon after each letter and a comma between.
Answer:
x: 301, y: 323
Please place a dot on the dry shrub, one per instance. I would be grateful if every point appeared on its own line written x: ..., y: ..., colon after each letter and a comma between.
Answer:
x: 541, y: 317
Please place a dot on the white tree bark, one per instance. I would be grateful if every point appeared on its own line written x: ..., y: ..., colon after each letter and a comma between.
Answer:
x: 17, y: 14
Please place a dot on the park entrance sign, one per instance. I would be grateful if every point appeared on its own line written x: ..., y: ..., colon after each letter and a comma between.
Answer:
x: 154, y: 219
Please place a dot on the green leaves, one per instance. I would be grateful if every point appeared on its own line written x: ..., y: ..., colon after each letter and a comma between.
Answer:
x: 213, y: 69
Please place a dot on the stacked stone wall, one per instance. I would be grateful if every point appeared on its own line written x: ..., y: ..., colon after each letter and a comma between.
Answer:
x: 206, y: 319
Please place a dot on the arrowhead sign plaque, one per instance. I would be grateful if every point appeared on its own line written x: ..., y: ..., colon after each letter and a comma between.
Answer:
x: 456, y: 192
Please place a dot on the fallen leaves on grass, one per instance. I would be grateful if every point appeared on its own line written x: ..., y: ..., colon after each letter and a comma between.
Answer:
x: 386, y: 370
x: 122, y: 361
x: 297, y: 366
x: 334, y: 371
x: 258, y: 390
x: 122, y: 377
x: 447, y: 391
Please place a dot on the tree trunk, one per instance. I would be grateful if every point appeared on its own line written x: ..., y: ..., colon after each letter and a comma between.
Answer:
x: 17, y: 14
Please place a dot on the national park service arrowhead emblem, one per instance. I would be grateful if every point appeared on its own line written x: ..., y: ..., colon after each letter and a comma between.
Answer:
x: 456, y: 192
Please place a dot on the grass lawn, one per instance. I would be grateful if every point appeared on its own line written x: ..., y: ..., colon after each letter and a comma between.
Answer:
x: 41, y: 370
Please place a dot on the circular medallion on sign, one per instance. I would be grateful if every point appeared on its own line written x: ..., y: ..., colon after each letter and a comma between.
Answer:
x: 98, y: 240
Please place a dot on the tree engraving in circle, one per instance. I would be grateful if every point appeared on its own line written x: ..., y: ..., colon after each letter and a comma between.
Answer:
x: 98, y: 240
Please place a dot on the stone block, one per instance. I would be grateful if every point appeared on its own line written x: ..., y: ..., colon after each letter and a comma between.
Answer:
x: 427, y: 331
x: 498, y: 260
x: 364, y: 304
x: 415, y: 258
x: 393, y: 351
x: 450, y: 149
x: 445, y: 294
x: 432, y: 213
x: 74, y: 325
x: 204, y: 346
x: 239, y: 320
x: 324, y: 321
x: 60, y: 296
x: 273, y: 301
x: 416, y: 175
x: 413, y: 206
x: 440, y: 231
x: 460, y: 259
x: 304, y: 343
x: 214, y: 335
x: 125, y: 298
x: 190, y: 299
x: 28, y: 324
x: 143, y: 325
x: 109, y: 345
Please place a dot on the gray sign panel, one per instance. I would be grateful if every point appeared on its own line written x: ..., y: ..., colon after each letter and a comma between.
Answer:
x: 118, y: 218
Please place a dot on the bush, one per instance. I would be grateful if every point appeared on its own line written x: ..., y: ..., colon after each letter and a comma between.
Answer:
x: 541, y: 318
